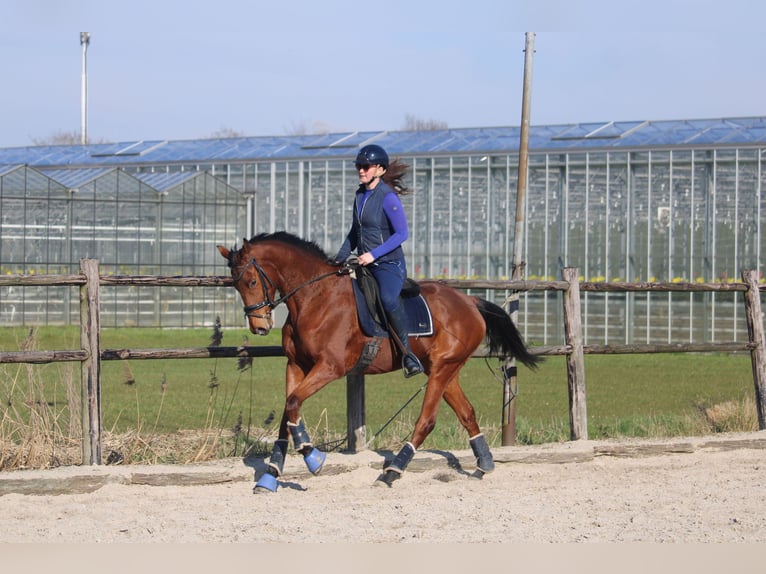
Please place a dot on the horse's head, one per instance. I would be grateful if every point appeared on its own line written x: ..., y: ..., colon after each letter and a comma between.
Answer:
x: 254, y: 286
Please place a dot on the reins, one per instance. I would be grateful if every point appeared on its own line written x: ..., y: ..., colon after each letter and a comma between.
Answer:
x: 265, y: 279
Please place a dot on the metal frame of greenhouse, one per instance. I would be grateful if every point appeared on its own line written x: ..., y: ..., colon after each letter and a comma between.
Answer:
x: 679, y: 200
x: 142, y: 224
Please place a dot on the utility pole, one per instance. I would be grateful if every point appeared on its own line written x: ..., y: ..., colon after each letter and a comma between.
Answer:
x: 84, y: 42
x: 510, y: 384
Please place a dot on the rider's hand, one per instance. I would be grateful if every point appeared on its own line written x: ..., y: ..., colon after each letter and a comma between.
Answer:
x: 366, y: 258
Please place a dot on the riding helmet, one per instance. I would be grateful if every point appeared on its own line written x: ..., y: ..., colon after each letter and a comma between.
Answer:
x: 373, y: 154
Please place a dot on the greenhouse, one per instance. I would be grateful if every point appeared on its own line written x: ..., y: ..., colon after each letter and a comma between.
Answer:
x: 143, y: 224
x: 630, y: 201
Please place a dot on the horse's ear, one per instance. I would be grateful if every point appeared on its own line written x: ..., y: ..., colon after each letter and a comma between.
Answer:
x: 223, y: 251
x: 244, y: 242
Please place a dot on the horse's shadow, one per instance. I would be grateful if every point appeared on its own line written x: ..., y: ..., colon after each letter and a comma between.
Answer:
x: 452, y: 461
x: 259, y: 463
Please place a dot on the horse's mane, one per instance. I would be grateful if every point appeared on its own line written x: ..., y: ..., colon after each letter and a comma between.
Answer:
x: 309, y: 247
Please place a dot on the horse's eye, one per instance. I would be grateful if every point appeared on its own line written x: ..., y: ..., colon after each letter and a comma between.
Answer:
x: 253, y: 283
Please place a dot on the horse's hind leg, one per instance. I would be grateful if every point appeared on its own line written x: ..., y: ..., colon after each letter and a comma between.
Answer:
x: 455, y: 398
x: 423, y: 426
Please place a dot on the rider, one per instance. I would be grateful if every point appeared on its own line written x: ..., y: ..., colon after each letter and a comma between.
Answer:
x: 378, y: 229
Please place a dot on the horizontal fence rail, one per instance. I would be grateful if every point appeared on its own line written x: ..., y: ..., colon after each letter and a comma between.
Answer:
x: 573, y: 348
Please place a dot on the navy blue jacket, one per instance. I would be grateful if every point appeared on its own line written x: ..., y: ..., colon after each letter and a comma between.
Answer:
x: 371, y: 228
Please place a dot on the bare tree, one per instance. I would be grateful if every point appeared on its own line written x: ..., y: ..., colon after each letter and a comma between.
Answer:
x: 64, y: 138
x: 412, y: 123
x: 59, y: 138
x: 301, y: 128
x: 227, y: 133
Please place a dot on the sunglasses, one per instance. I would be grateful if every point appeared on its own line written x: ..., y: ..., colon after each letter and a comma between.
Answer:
x: 363, y: 166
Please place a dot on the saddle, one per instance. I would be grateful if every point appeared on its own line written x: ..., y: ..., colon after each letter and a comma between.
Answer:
x: 370, y: 308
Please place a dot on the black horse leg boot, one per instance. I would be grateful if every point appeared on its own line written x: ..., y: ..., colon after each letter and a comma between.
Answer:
x: 398, y: 323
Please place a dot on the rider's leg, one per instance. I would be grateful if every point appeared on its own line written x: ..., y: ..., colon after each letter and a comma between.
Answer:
x: 390, y: 276
x: 398, y: 321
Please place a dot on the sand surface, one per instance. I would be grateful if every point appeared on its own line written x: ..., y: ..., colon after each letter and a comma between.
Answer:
x: 713, y: 491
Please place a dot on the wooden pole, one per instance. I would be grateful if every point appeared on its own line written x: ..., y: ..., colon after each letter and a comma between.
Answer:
x: 758, y: 347
x: 578, y: 413
x: 510, y: 372
x: 90, y: 373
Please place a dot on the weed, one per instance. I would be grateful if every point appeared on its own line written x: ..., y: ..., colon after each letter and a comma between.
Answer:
x: 232, y: 407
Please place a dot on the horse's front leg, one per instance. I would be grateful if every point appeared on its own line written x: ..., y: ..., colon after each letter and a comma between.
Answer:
x: 299, y: 387
x: 268, y: 480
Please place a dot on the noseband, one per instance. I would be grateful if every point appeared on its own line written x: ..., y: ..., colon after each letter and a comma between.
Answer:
x: 265, y: 280
x: 267, y: 284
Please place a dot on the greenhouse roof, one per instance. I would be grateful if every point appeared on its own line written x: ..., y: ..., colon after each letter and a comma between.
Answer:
x: 4, y: 169
x: 163, y: 181
x: 74, y: 178
x: 565, y: 137
x: 77, y: 177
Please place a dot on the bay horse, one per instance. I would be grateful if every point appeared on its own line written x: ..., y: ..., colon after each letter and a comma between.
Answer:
x: 323, y: 341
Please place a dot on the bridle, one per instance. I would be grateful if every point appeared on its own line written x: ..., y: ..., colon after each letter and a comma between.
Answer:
x: 265, y: 280
x: 268, y: 284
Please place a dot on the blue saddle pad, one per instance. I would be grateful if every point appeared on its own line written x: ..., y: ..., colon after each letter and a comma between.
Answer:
x: 419, y: 321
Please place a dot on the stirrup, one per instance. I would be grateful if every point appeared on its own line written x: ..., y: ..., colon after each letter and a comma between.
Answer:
x: 415, y: 367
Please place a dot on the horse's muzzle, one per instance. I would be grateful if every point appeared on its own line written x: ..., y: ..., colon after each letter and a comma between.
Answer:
x: 260, y: 324
x: 259, y: 328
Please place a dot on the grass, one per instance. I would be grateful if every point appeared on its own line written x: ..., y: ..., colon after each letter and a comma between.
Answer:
x: 197, y: 409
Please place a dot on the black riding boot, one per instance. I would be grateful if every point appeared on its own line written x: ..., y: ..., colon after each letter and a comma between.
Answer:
x: 397, y: 320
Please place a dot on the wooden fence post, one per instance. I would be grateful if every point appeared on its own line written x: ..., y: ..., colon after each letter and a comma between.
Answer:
x: 578, y: 414
x: 90, y: 372
x: 355, y: 413
x: 758, y: 351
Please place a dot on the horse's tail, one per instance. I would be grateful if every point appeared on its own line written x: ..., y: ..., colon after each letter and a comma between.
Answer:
x: 502, y: 335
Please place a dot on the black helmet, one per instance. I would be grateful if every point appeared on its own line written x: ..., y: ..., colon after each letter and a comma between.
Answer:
x: 373, y: 154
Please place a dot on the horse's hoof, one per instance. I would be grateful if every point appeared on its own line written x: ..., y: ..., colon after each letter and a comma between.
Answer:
x: 315, y: 460
x: 387, y: 479
x: 478, y: 474
x: 267, y: 483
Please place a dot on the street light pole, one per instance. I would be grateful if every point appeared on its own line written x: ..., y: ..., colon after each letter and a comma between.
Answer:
x: 84, y: 42
x: 508, y: 426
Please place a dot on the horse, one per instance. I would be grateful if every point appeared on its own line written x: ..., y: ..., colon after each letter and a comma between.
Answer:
x: 322, y: 341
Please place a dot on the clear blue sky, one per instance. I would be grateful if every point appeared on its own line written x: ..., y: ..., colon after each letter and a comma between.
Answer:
x: 168, y: 69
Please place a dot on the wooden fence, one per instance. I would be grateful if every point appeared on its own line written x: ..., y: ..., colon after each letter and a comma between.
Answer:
x: 90, y: 354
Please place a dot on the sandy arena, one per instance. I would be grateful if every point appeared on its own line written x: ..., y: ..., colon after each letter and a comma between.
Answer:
x: 706, y: 489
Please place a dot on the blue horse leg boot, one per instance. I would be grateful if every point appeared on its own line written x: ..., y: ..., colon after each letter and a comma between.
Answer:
x: 484, y: 462
x: 312, y: 456
x: 278, y: 453
x: 268, y: 480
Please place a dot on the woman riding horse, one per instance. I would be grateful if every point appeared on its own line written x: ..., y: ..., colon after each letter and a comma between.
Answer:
x: 323, y: 341
x: 378, y: 229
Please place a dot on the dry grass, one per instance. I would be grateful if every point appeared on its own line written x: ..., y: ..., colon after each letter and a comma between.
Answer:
x: 40, y: 425
x: 37, y: 430
x: 183, y: 447
x: 732, y: 416
x: 36, y: 442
